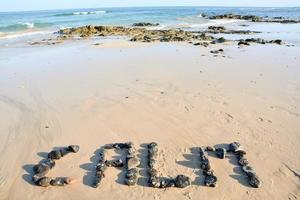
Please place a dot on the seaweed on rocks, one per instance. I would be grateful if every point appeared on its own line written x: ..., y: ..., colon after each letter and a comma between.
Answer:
x: 135, y: 34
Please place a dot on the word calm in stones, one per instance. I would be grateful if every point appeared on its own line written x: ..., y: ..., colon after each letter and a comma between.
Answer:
x: 131, y: 164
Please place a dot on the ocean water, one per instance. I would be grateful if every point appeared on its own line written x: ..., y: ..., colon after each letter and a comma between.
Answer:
x: 33, y: 22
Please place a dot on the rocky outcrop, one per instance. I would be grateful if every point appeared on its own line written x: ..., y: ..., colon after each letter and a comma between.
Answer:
x: 254, y: 18
x: 234, y: 16
x: 222, y: 29
x: 259, y: 41
x: 143, y: 24
x: 135, y: 34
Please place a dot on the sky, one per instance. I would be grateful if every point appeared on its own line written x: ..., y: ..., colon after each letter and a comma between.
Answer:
x: 22, y: 5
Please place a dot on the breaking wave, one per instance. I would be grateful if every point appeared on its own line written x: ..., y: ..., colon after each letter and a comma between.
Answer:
x: 20, y: 26
x: 82, y: 13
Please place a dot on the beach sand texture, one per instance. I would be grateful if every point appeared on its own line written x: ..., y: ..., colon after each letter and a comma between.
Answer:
x: 175, y: 94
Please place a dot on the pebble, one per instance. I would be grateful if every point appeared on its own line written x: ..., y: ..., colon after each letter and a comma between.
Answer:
x: 166, y: 182
x: 133, y: 163
x: 101, y: 166
x: 254, y: 181
x: 55, y: 154
x: 60, y: 181
x: 243, y: 162
x: 131, y: 181
x: 210, y: 181
x: 205, y: 165
x: 41, y: 169
x: 209, y: 148
x: 44, y: 181
x: 114, y: 163
x: 73, y: 148
x: 99, y: 176
x: 248, y: 170
x: 221, y: 152
x: 154, y: 182
x: 182, y: 181
x: 235, y: 146
x: 132, y: 172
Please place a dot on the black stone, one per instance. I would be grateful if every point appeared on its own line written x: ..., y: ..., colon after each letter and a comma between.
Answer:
x: 182, y: 181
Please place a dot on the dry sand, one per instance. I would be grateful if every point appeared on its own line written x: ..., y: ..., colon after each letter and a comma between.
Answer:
x: 178, y: 95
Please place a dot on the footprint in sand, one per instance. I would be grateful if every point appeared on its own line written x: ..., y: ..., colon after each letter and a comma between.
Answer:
x: 2, y: 180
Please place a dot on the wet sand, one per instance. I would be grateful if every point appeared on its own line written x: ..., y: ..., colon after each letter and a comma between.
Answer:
x: 175, y: 94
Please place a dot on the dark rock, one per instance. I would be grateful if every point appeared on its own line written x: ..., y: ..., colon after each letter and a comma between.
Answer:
x: 219, y: 40
x: 122, y: 145
x: 99, y: 176
x: 248, y: 170
x: 235, y: 146
x: 210, y: 181
x: 241, y: 17
x: 101, y: 166
x: 242, y: 42
x: 154, y: 182
x: 145, y: 24
x: 44, y: 181
x: 182, y: 181
x: 208, y: 172
x: 205, y: 44
x: 131, y: 181
x: 221, y: 152
x: 214, y: 51
x: 35, y: 178
x: 135, y: 34
x: 254, y: 181
x: 217, y: 28
x: 73, y: 148
x: 44, y: 166
x: 240, y: 154
x: 41, y: 169
x: 108, y: 146
x: 209, y: 148
x: 243, y: 162
x: 166, y: 182
x: 276, y: 42
x: 55, y: 154
x: 205, y: 165
x: 132, y: 172
x: 152, y: 145
x: 114, y: 163
x: 60, y: 181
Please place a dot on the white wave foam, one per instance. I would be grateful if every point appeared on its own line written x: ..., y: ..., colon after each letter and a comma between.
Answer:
x: 23, y: 34
x: 90, y: 12
x: 201, y: 15
x: 27, y: 24
x: 217, y: 22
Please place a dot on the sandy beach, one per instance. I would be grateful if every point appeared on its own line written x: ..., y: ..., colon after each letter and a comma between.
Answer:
x: 176, y: 94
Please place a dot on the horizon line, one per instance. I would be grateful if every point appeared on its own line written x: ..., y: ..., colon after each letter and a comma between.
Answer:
x: 154, y: 6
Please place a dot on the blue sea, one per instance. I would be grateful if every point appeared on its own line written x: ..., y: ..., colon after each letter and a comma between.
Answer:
x: 18, y: 23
